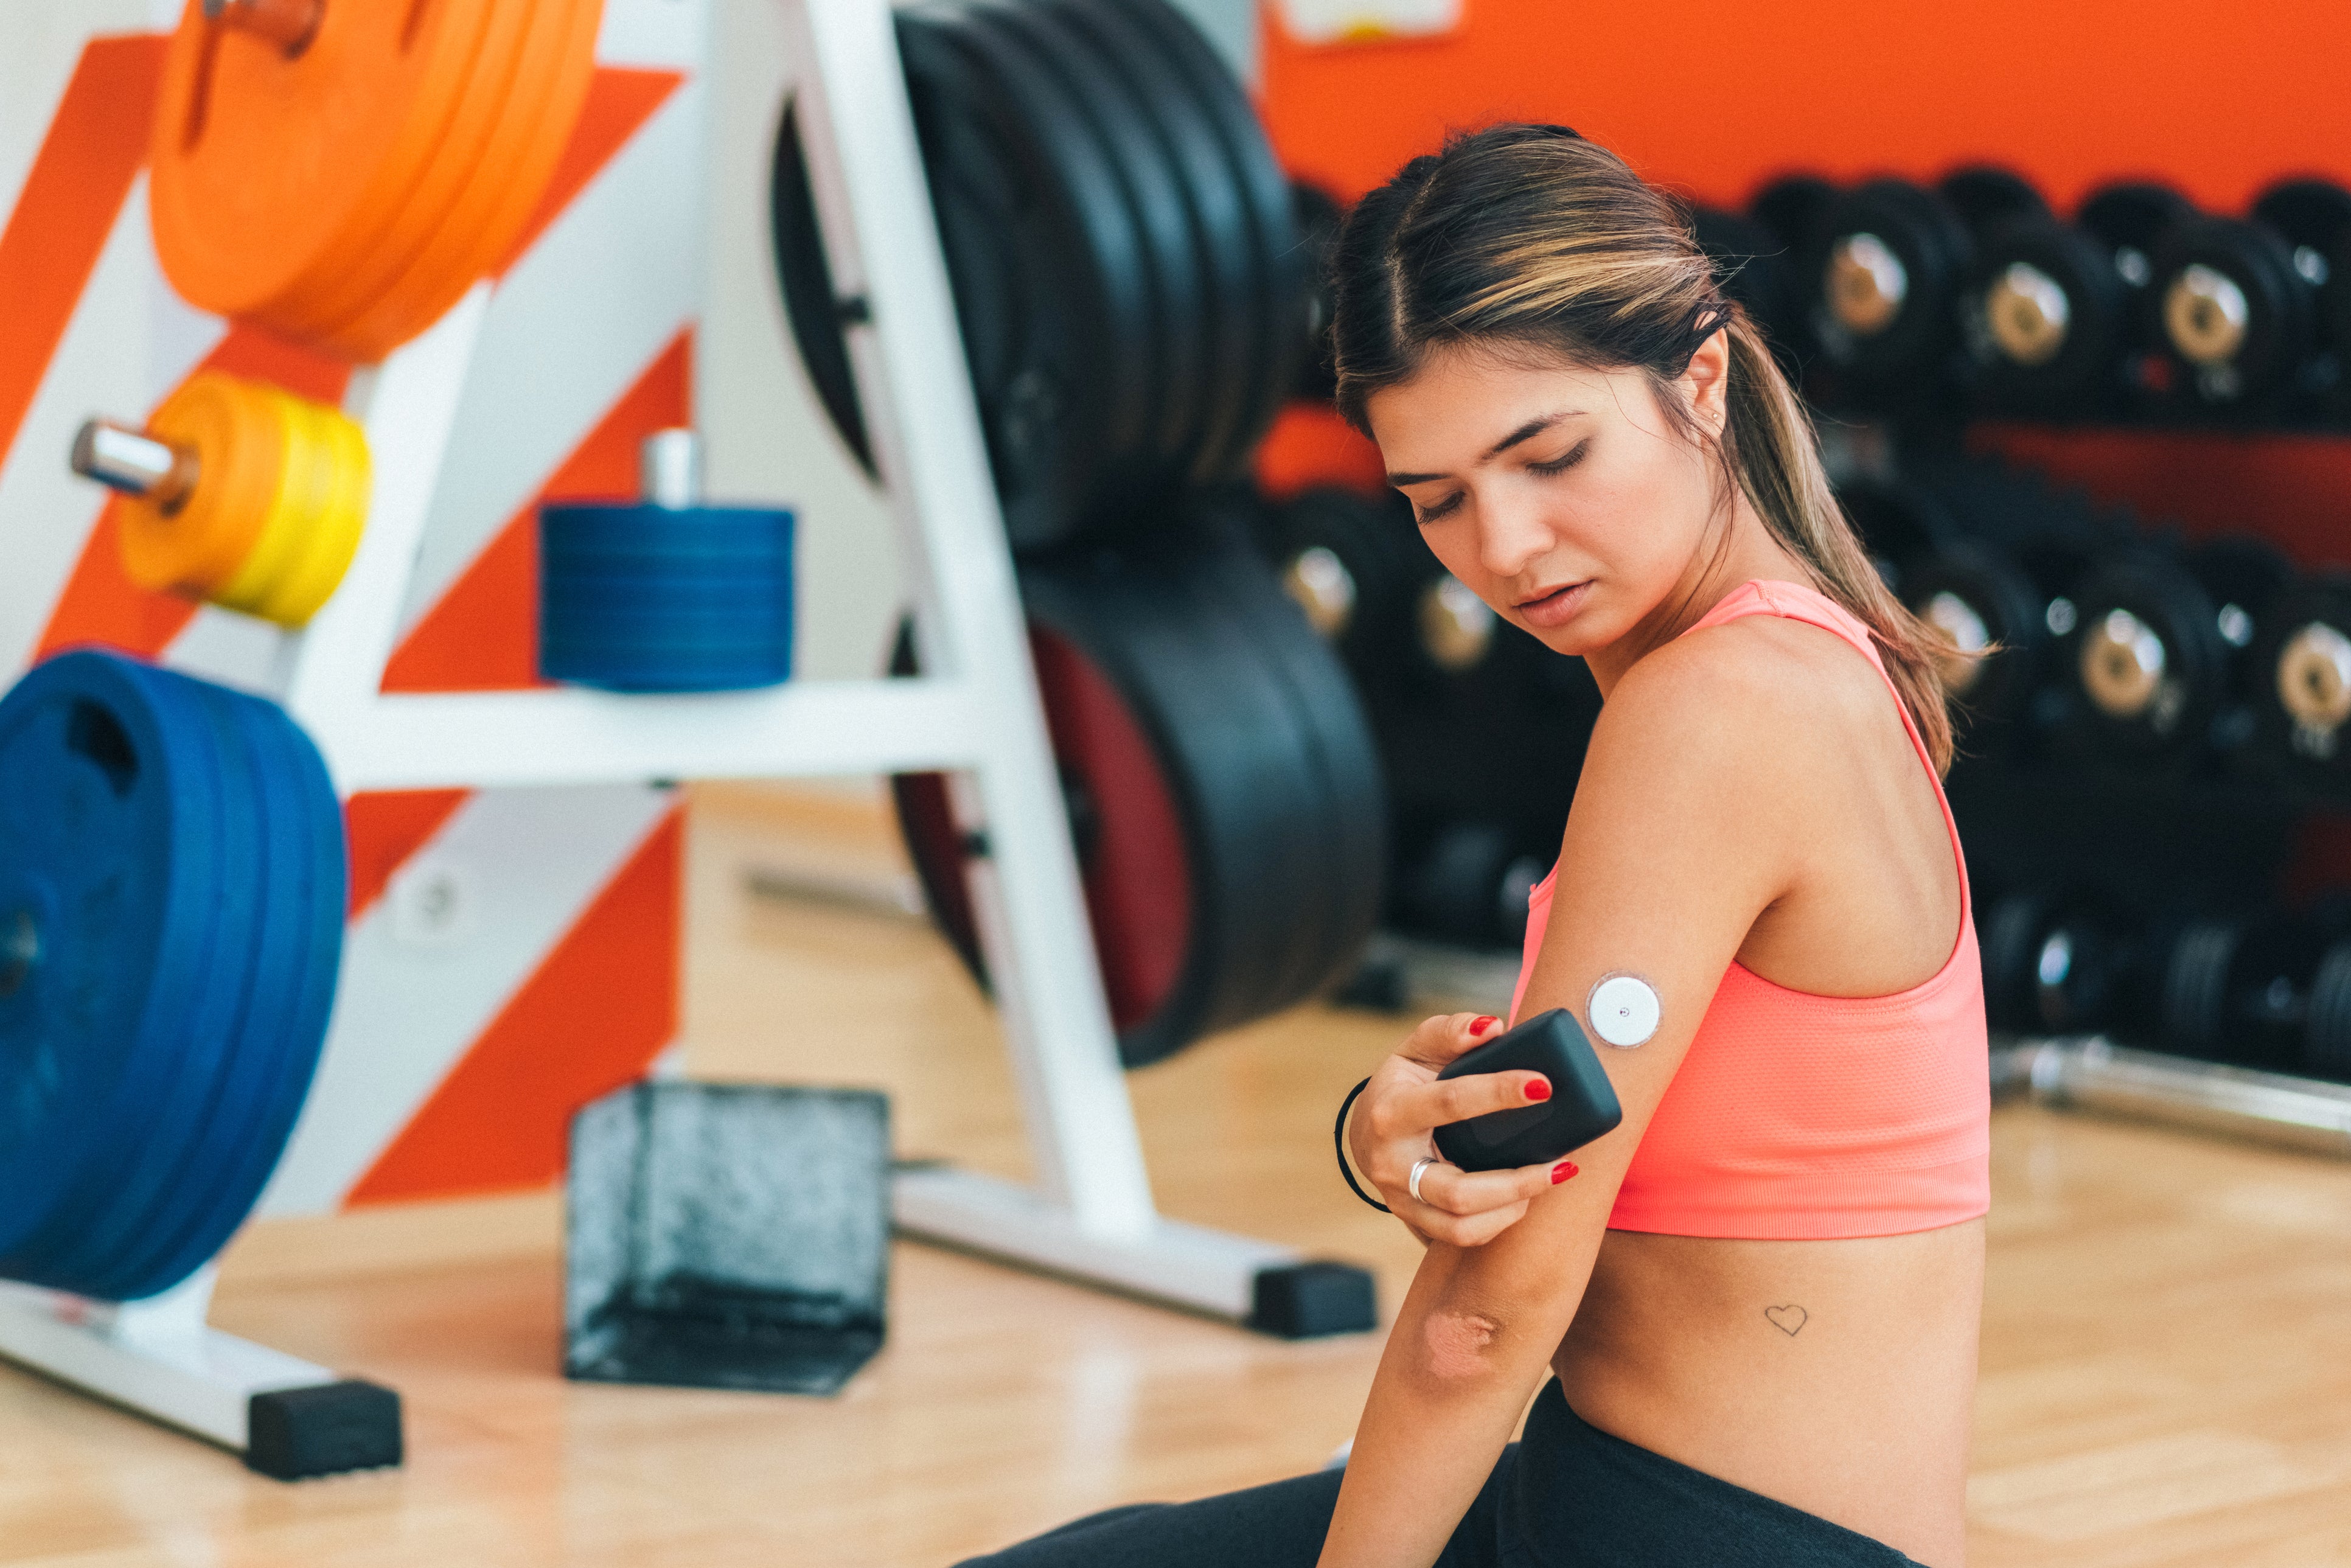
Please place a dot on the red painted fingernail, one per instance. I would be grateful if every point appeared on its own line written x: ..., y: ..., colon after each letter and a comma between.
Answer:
x: 1561, y: 1171
x: 1480, y: 1025
x: 1540, y: 1089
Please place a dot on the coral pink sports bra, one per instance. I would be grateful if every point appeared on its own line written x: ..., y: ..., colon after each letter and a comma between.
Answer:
x: 1802, y: 1117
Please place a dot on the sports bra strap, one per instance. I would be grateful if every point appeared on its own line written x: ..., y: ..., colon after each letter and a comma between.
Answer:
x: 1795, y: 601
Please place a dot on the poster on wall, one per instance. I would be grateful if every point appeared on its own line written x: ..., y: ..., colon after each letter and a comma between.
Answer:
x: 1329, y: 23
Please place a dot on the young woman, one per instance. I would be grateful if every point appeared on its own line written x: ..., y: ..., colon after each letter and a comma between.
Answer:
x: 1753, y: 1308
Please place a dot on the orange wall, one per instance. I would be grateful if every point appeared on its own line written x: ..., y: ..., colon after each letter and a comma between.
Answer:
x: 1714, y: 96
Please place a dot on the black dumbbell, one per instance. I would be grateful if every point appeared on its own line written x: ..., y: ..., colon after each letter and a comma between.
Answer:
x: 1468, y: 885
x: 1351, y: 562
x: 1902, y: 525
x: 2162, y: 648
x: 2239, y: 986
x: 2054, y: 963
x: 1754, y: 267
x: 2055, y: 314
x: 2304, y: 703
x: 2238, y: 301
x: 2326, y: 1018
x: 1893, y: 262
x: 2008, y: 583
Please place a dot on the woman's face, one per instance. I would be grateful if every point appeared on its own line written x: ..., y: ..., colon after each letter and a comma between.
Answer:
x: 1564, y: 498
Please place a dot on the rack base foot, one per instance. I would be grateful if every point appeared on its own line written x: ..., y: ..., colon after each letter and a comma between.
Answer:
x: 1262, y: 1286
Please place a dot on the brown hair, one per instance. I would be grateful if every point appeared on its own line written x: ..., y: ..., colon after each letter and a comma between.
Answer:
x: 1528, y: 236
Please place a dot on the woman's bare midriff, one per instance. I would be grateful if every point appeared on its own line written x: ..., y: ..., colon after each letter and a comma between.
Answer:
x: 1836, y: 1377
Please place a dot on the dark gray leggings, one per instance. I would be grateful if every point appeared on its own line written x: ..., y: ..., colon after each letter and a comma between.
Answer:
x: 1570, y: 1496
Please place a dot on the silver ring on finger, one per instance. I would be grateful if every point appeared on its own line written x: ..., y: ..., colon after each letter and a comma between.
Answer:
x: 1413, y: 1185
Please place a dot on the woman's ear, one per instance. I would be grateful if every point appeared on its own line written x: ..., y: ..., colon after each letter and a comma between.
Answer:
x: 1706, y: 383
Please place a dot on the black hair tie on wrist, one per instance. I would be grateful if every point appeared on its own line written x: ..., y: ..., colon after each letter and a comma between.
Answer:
x: 1339, y: 1144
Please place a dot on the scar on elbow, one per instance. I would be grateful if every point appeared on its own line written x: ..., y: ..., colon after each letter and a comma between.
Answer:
x: 1459, y: 1342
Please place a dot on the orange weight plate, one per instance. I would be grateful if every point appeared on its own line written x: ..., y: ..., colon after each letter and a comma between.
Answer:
x: 238, y: 431
x: 491, y: 92
x: 507, y: 180
x: 271, y: 176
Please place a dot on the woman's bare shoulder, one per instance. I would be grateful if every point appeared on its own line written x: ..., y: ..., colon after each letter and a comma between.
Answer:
x: 1756, y: 689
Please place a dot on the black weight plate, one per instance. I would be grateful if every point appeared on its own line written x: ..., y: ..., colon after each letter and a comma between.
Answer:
x: 1133, y: 242
x: 1165, y: 37
x: 1120, y: 119
x: 304, y: 818
x: 2326, y: 1032
x: 110, y: 865
x: 1186, y: 124
x: 1350, y: 811
x: 2133, y: 215
x: 2070, y: 360
x: 1234, y: 756
x: 1751, y: 267
x: 1194, y: 784
x: 806, y: 277
x: 1901, y: 525
x: 1321, y: 217
x: 1984, y: 600
x: 2277, y: 332
x: 1040, y: 334
x: 1381, y: 558
x: 1985, y: 194
x: 2126, y: 714
x: 2195, y: 1018
x: 1934, y: 251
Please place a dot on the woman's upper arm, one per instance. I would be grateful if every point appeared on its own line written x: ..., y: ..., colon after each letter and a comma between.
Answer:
x: 1682, y: 832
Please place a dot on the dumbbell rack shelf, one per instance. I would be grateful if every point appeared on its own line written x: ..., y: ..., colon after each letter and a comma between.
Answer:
x: 2090, y: 1072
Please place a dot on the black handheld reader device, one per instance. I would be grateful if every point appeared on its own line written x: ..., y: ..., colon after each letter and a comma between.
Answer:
x: 1581, y: 1107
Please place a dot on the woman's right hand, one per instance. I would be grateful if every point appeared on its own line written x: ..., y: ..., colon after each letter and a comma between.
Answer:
x: 1390, y: 1130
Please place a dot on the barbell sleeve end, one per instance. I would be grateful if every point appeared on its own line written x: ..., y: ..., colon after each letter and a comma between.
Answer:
x: 289, y: 24
x: 130, y: 460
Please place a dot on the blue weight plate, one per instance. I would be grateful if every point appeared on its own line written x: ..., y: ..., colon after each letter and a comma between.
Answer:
x: 663, y: 614
x: 683, y: 562
x: 120, y: 1203
x: 657, y: 673
x: 294, y: 987
x: 656, y: 528
x: 726, y: 588
x: 216, y: 1128
x: 765, y: 626
x: 108, y: 860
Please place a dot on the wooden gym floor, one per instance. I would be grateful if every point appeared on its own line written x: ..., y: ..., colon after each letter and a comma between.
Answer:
x: 2166, y: 1355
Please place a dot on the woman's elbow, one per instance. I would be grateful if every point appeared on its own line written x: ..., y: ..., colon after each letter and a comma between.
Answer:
x: 1462, y: 1346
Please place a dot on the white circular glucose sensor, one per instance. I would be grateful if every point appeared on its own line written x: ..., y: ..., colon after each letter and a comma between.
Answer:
x: 1623, y: 1010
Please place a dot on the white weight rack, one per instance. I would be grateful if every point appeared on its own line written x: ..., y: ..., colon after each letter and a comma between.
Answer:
x: 974, y: 713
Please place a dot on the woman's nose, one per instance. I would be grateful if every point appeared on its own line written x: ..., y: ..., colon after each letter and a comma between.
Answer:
x: 1510, y: 538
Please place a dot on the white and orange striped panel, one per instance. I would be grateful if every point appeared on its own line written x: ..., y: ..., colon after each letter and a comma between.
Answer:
x: 511, y: 953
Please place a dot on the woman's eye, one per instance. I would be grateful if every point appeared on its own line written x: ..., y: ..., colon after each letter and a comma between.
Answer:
x: 1446, y: 507
x: 1560, y: 465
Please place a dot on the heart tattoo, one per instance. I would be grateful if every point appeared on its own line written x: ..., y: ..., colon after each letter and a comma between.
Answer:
x: 1789, y: 1320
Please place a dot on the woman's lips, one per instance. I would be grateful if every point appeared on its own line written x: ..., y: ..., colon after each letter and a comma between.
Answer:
x: 1558, y: 607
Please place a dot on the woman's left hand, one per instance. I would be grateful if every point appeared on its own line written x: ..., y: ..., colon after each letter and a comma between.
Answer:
x: 1390, y: 1129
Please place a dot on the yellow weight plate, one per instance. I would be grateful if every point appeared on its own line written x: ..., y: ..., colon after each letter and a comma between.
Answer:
x: 239, y: 442
x: 332, y: 536
x: 304, y: 481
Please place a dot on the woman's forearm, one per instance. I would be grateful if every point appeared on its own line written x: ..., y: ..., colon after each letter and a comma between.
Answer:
x: 1461, y: 1363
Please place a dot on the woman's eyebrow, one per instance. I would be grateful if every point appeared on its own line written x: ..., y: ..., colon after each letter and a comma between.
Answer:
x: 1526, y: 432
